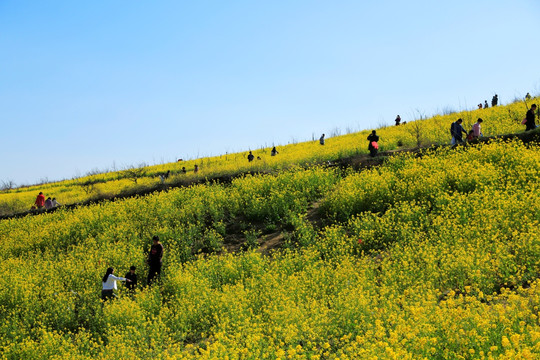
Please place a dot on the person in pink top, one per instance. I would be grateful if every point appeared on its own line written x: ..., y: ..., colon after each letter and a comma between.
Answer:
x: 40, y: 200
x: 477, y: 128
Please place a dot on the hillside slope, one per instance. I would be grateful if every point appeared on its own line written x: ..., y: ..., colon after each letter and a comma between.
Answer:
x: 434, y: 256
x: 424, y: 132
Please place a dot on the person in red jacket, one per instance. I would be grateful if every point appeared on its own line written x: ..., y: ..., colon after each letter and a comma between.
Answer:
x: 40, y: 200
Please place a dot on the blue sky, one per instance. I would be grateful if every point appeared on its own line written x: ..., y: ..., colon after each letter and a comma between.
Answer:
x: 89, y: 85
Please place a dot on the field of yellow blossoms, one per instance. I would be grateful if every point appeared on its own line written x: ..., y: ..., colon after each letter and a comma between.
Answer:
x: 435, y: 130
x: 431, y: 257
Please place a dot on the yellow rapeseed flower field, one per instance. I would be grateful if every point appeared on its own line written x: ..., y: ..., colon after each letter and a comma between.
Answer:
x: 435, y: 130
x: 431, y: 257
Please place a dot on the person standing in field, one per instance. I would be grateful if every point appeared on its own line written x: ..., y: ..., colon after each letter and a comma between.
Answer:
x: 373, y: 146
x: 485, y: 104
x: 456, y: 130
x: 477, y: 128
x: 529, y: 118
x: 274, y: 152
x: 196, y: 169
x: 132, y: 277
x: 250, y: 157
x: 154, y: 259
x: 40, y: 200
x: 398, y: 120
x: 109, y: 284
x: 321, y: 139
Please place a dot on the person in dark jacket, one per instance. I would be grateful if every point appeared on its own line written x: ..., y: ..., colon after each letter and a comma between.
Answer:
x: 154, y: 259
x: 457, y: 130
x: 132, y: 277
x: 529, y: 118
x: 373, y: 146
x: 250, y: 157
x: 494, y: 100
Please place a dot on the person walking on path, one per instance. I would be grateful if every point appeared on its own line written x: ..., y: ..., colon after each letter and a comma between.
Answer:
x: 132, y: 277
x: 456, y: 130
x: 321, y: 139
x: 529, y: 118
x: 477, y: 128
x: 109, y: 284
x: 40, y: 200
x: 373, y: 146
x: 154, y: 259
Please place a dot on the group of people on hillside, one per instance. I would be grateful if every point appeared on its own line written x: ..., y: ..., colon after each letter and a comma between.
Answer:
x: 251, y: 157
x: 494, y: 102
x: 373, y: 139
x: 373, y: 145
x: 457, y: 131
x: 46, y: 204
x: 154, y: 261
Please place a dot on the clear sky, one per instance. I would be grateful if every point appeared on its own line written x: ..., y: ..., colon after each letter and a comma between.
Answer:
x: 95, y: 84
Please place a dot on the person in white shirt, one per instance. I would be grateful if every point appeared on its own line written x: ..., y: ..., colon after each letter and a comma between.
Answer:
x: 109, y: 284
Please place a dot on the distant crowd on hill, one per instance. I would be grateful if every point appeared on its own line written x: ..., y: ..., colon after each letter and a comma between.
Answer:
x: 458, y: 135
x: 494, y: 102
